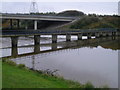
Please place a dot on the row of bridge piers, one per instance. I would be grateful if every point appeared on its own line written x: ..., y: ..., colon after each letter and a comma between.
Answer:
x: 18, y: 24
x: 14, y: 39
x: 14, y: 49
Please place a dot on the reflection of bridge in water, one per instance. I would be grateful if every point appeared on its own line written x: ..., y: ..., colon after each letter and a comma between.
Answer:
x: 101, y: 35
x: 105, y: 42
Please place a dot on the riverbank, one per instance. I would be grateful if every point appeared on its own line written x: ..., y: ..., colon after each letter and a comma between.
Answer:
x: 18, y: 76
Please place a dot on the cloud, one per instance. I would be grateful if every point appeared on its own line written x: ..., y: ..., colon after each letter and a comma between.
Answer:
x: 61, y: 0
x: 86, y: 7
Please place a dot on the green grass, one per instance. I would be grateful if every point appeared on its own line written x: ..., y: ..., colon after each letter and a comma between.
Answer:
x: 0, y: 74
x: 17, y: 77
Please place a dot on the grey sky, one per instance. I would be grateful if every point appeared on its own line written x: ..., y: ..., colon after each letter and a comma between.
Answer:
x: 86, y: 7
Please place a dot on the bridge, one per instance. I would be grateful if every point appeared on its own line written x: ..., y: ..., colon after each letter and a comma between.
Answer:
x: 14, y: 34
x: 36, y: 17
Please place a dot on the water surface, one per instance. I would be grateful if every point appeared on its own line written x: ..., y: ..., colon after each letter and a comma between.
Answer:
x: 94, y: 60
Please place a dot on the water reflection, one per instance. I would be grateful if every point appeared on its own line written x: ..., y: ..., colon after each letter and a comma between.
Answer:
x: 94, y: 60
x: 107, y: 43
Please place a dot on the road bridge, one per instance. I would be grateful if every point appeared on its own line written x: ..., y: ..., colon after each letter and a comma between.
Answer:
x: 44, y: 19
x: 37, y: 17
x: 14, y: 34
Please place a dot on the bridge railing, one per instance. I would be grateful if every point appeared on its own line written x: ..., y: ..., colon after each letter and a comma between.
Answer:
x: 50, y: 32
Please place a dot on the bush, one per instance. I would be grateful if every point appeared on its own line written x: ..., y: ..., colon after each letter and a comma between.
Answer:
x: 88, y: 85
x: 84, y: 22
x: 21, y: 65
x: 71, y: 13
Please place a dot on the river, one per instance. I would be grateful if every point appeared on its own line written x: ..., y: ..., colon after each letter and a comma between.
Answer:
x: 94, y: 60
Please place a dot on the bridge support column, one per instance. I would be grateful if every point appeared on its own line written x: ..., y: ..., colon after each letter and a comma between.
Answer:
x: 89, y: 36
x: 97, y: 35
x: 18, y: 23
x: 35, y: 25
x: 11, y: 25
x: 14, y: 41
x: 104, y: 34
x: 54, y: 38
x: 14, y: 49
x: 14, y: 52
x: 80, y: 36
x: 110, y: 34
x: 54, y: 46
x: 36, y: 48
x: 68, y: 37
x: 36, y: 39
x: 117, y: 33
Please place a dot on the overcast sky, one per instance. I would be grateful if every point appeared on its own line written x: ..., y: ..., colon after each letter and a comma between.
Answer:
x: 93, y: 6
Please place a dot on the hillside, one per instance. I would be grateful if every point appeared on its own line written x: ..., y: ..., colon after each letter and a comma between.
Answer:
x: 94, y: 22
x: 71, y: 13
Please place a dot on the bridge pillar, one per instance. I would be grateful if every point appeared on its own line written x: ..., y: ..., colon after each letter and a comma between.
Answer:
x: 104, y: 34
x: 11, y: 24
x: 54, y: 38
x: 80, y: 36
x: 14, y: 51
x: 68, y: 37
x: 89, y: 35
x: 35, y: 25
x: 54, y: 46
x: 117, y: 33
x: 14, y: 41
x: 110, y: 34
x: 97, y: 35
x: 36, y: 39
x: 36, y: 48
x: 18, y: 23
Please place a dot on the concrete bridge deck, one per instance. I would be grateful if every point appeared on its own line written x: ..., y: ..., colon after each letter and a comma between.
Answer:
x: 9, y: 33
x: 37, y: 17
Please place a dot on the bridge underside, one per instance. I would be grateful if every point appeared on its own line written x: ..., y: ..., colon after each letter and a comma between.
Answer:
x: 28, y: 24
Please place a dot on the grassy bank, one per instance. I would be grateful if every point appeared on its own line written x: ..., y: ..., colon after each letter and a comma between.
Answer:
x: 17, y: 76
